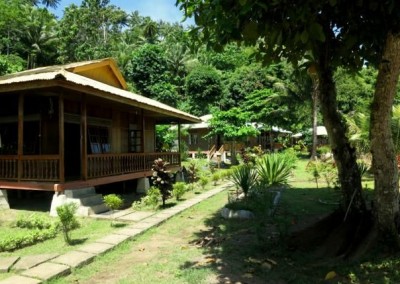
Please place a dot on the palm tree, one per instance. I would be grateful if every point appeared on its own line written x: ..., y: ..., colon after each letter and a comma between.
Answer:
x: 47, y: 3
x: 39, y: 36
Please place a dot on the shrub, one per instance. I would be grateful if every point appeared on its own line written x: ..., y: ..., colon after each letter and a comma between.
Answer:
x: 321, y: 169
x: 275, y: 169
x: 178, y: 190
x: 33, y: 221
x: 114, y: 202
x: 244, y: 177
x: 216, y: 177
x: 162, y: 179
x: 14, y: 242
x: 192, y: 173
x: 204, y: 181
x: 68, y: 221
x: 152, y: 197
x: 323, y: 150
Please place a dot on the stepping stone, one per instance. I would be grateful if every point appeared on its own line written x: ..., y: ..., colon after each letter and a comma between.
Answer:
x: 136, y: 216
x: 7, y: 262
x: 75, y: 258
x: 113, y: 239
x: 16, y: 279
x: 30, y: 261
x: 129, y: 232
x: 47, y: 271
x: 96, y: 248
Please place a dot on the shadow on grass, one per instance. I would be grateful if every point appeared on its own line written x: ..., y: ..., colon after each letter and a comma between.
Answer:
x: 76, y: 242
x: 254, y: 250
x: 119, y: 225
x: 168, y: 205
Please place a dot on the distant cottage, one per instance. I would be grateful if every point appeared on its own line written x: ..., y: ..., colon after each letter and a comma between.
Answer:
x: 72, y: 127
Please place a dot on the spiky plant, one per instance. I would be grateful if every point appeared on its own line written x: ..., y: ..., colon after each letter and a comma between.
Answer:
x: 244, y: 177
x: 274, y: 169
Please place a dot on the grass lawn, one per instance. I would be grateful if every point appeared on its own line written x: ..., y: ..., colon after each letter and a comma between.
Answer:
x: 199, y: 246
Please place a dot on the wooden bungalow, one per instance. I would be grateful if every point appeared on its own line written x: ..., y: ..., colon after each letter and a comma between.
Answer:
x: 76, y: 126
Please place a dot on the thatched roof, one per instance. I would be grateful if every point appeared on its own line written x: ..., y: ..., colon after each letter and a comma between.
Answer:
x: 81, y: 74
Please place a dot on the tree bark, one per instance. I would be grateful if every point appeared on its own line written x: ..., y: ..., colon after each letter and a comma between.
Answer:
x: 315, y: 90
x: 384, y: 163
x: 343, y: 152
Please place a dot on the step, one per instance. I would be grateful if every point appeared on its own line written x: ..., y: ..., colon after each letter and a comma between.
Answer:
x: 97, y: 209
x: 89, y: 200
x: 77, y: 193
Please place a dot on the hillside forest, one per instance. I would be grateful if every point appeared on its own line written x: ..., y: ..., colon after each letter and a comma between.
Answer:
x: 163, y: 61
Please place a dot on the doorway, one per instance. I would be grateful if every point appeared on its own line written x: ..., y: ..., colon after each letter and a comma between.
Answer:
x: 72, y: 151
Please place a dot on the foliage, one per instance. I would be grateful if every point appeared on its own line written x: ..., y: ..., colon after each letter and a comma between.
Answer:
x: 162, y: 178
x: 147, y: 68
x: 322, y: 169
x: 192, y: 173
x: 31, y: 237
x: 33, y: 221
x: 204, y: 88
x: 215, y: 177
x: 204, y: 180
x: 249, y: 155
x: 151, y: 199
x: 178, y: 190
x: 323, y: 150
x: 233, y: 124
x: 90, y: 31
x: 274, y: 169
x: 363, y: 168
x: 244, y: 177
x: 113, y: 201
x: 11, y: 64
x: 68, y: 221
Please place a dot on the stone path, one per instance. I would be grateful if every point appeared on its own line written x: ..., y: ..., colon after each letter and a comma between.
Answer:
x: 38, y: 269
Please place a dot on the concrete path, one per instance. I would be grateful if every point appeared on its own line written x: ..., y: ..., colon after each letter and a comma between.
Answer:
x: 38, y: 269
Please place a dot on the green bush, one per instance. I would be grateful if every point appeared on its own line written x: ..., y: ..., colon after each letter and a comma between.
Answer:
x: 216, y: 177
x: 244, y: 177
x: 178, y: 190
x: 203, y: 182
x: 152, y: 197
x: 33, y: 221
x: 323, y: 150
x: 14, y: 242
x: 320, y: 169
x: 275, y: 169
x: 68, y: 221
x: 114, y: 202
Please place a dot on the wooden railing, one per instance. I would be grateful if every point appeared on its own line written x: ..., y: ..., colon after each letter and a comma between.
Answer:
x: 40, y: 167
x: 32, y: 167
x: 211, y: 152
x: 9, y: 167
x: 47, y: 167
x: 102, y: 165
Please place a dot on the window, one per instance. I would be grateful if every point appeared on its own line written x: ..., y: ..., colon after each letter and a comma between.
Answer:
x: 193, y: 139
x: 135, y: 141
x: 99, y: 140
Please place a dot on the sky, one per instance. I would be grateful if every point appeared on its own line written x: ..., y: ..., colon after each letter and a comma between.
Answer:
x: 156, y: 9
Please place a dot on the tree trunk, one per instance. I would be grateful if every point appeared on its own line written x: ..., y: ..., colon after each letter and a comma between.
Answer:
x: 384, y: 163
x: 343, y: 152
x: 315, y: 90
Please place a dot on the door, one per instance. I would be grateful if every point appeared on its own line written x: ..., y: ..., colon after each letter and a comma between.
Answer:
x: 72, y: 151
